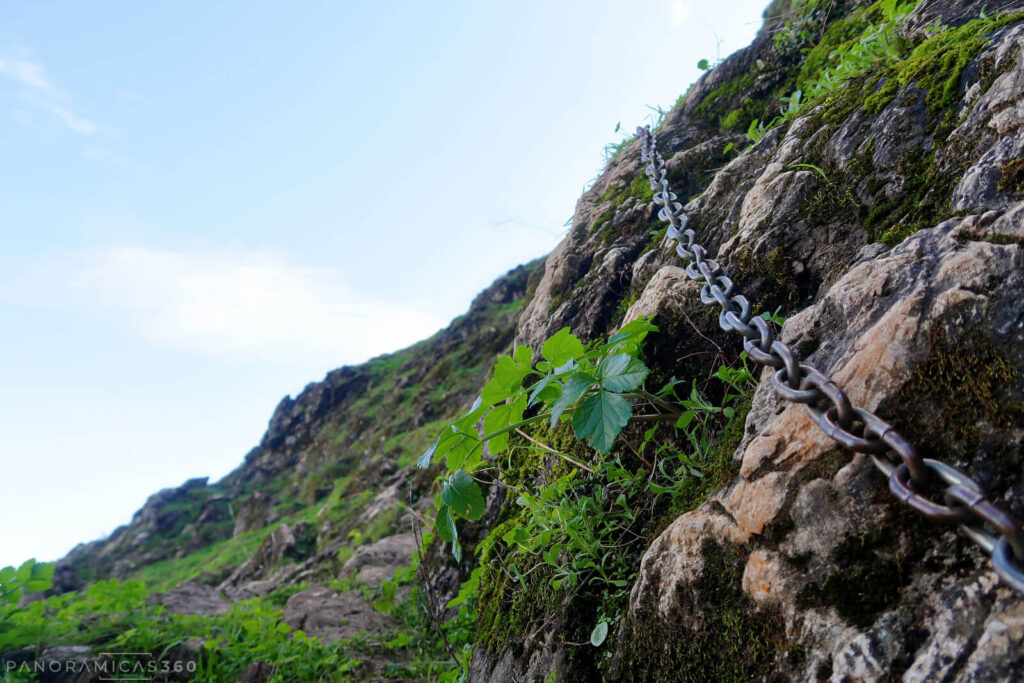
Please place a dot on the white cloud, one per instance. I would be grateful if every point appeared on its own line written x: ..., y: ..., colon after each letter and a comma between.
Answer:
x: 678, y: 12
x: 41, y: 94
x: 247, y: 305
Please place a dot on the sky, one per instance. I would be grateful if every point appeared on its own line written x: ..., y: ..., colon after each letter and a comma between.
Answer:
x: 205, y: 206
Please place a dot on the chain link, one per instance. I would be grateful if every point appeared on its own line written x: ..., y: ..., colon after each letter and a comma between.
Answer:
x: 909, y: 474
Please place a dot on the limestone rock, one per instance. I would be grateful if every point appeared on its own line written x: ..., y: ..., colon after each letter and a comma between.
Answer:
x: 192, y: 598
x: 377, y: 562
x: 322, y: 613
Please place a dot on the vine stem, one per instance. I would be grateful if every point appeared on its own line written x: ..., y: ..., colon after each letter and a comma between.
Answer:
x: 549, y: 449
x: 515, y: 426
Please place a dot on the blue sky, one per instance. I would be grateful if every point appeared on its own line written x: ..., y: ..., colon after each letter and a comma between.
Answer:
x: 204, y: 206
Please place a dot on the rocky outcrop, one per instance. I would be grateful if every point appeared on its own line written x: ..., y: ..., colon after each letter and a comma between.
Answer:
x: 377, y: 562
x: 173, y: 521
x: 191, y: 598
x: 283, y: 543
x: 890, y: 232
x: 324, y: 433
x: 322, y: 613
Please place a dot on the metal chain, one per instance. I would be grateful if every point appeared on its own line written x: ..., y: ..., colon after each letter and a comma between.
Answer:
x: 858, y: 429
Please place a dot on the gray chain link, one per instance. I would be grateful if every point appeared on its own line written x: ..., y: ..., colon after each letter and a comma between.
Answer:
x: 855, y: 428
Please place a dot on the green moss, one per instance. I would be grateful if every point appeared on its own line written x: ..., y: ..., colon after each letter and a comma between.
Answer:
x: 937, y: 64
x: 882, y: 96
x: 734, y: 641
x: 999, y: 239
x: 770, y: 276
x: 656, y: 239
x: 641, y: 188
x: 830, y: 202
x: 732, y: 120
x: 840, y: 34
x: 963, y: 383
x: 557, y: 300
x: 1011, y: 176
x: 867, y: 581
x: 717, y: 103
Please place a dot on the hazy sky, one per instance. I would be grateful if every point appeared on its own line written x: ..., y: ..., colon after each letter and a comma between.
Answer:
x: 204, y: 206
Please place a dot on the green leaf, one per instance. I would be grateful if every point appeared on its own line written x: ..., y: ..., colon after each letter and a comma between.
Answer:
x: 43, y: 571
x: 630, y: 335
x: 621, y: 373
x: 458, y: 440
x: 25, y: 570
x: 599, y: 633
x: 507, y: 380
x: 445, y: 524
x: 516, y: 535
x: 462, y: 449
x: 7, y: 573
x: 502, y: 416
x: 463, y: 495
x: 544, y: 390
x: 562, y: 347
x: 600, y: 418
x: 685, y: 419
x: 572, y: 390
x: 523, y: 355
x: 456, y: 550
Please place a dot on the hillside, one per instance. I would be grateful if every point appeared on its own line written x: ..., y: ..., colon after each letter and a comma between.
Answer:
x: 858, y: 173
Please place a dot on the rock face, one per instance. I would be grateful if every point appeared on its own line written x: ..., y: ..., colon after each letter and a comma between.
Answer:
x: 192, y: 598
x: 377, y: 562
x: 322, y: 613
x: 891, y: 232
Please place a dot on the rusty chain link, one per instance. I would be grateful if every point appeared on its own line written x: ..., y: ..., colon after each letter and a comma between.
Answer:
x: 858, y: 429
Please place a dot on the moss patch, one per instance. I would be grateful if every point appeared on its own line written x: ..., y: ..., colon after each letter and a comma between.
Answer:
x: 961, y: 384
x: 1011, y: 176
x: 735, y: 641
x: 868, y: 580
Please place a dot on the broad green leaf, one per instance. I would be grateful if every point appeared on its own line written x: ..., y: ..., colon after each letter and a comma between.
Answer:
x: 467, y: 423
x: 461, y: 449
x: 621, y: 373
x: 507, y: 380
x: 523, y: 355
x: 630, y: 335
x: 500, y: 417
x: 562, y: 347
x: 600, y: 418
x: 445, y: 524
x: 43, y: 571
x: 7, y: 573
x: 463, y: 495
x: 572, y: 390
x: 516, y: 535
x: 38, y: 585
x: 599, y: 633
x: 538, y: 390
x: 467, y: 456
x: 25, y: 570
x: 546, y: 393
